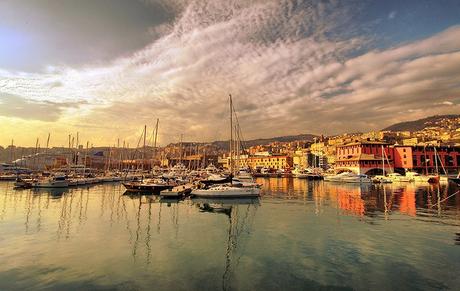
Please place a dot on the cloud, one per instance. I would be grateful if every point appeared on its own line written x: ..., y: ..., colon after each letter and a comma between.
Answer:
x: 17, y: 106
x: 446, y: 103
x: 290, y: 66
x: 392, y: 15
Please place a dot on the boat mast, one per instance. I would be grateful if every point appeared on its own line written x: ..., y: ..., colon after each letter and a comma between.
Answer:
x: 118, y: 152
x: 11, y: 151
x: 71, y: 155
x: 426, y: 162
x: 231, y: 135
x: 383, y: 162
x: 155, y: 143
x: 180, y: 148
x: 35, y: 155
x: 436, y: 160
x: 237, y: 136
x: 86, y: 157
x: 143, y: 154
x: 122, y: 153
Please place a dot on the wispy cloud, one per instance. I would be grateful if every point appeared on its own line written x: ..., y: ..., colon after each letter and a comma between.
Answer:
x: 392, y: 15
x: 284, y: 61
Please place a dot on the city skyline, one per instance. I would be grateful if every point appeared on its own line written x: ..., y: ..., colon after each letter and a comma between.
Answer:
x: 106, y: 68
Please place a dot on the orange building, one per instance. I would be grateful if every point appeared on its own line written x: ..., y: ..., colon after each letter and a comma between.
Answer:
x: 364, y: 157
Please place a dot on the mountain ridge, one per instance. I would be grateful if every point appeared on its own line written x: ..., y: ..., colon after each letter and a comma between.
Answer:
x: 419, y: 124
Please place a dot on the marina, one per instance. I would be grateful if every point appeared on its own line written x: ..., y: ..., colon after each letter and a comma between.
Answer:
x: 302, y: 233
x: 229, y: 145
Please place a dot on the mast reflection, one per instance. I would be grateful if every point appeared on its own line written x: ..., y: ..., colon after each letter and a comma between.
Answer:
x: 241, y: 213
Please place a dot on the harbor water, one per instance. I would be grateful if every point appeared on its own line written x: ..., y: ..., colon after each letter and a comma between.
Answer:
x: 300, y: 235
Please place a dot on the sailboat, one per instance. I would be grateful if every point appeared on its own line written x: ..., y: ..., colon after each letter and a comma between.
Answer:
x: 234, y: 189
x: 382, y: 178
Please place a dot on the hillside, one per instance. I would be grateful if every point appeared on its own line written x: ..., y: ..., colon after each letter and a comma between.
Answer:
x: 420, y: 124
x: 265, y: 141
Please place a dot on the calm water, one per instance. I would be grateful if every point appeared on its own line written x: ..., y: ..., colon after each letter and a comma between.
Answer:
x: 299, y: 235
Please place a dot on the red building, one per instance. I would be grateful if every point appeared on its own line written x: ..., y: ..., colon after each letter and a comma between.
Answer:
x: 425, y: 159
x: 365, y: 157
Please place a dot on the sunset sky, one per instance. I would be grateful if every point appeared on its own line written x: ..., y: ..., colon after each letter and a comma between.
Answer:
x: 104, y: 68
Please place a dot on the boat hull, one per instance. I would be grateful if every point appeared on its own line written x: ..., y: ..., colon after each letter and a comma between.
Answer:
x: 237, y: 193
x: 146, y: 188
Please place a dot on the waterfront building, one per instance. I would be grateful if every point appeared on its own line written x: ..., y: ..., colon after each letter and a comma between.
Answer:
x: 425, y: 159
x: 300, y: 158
x: 364, y: 157
x: 271, y: 162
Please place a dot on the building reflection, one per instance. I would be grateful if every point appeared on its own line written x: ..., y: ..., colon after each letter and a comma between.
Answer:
x: 366, y: 199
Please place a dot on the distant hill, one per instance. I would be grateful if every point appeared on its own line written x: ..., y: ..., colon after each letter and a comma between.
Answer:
x: 265, y: 141
x: 420, y: 124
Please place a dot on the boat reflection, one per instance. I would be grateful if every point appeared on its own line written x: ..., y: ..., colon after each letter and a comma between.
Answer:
x: 241, y: 213
x: 54, y: 193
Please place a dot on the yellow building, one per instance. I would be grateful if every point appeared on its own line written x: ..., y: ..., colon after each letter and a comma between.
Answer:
x: 300, y: 158
x: 271, y: 162
x: 410, y: 141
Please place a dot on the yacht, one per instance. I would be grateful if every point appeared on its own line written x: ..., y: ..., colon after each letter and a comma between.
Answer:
x: 23, y: 183
x: 211, y: 169
x: 381, y: 179
x: 216, y: 179
x: 154, y: 186
x: 299, y: 173
x: 227, y: 191
x: 348, y: 177
x: 57, y: 181
x: 396, y: 177
x: 314, y: 173
x: 244, y: 179
x: 416, y: 177
x: 176, y: 192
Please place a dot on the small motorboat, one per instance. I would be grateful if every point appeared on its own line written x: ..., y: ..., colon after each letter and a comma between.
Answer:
x: 396, y: 177
x: 381, y: 179
x: 23, y: 183
x: 176, y: 192
x: 416, y: 177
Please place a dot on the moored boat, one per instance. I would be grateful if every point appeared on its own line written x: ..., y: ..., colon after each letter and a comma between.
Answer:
x: 58, y: 181
x: 176, y: 192
x: 348, y: 177
x: 227, y: 191
x: 150, y: 186
x: 396, y: 177
x: 416, y: 177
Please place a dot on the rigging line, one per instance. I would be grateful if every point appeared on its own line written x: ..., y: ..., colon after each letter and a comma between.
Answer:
x: 458, y: 191
x: 239, y: 132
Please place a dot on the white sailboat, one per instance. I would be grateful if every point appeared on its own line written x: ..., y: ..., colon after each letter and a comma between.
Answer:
x: 382, y: 178
x: 236, y: 188
x: 348, y: 177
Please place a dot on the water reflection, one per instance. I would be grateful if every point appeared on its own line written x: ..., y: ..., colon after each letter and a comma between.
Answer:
x: 363, y: 200
x: 214, y: 240
x: 240, y: 213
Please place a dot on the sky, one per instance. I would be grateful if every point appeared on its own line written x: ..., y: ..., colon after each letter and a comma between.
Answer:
x: 104, y: 68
